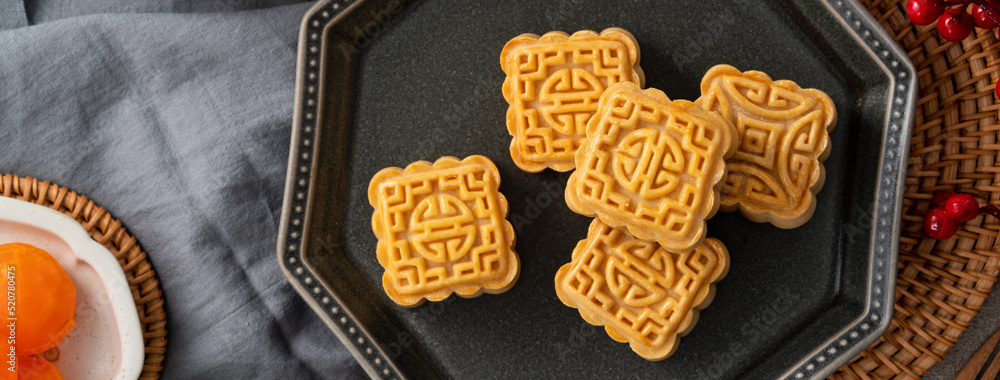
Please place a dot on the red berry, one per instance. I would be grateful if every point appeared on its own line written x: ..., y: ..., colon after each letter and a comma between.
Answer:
x: 961, y: 208
x: 937, y: 224
x: 941, y: 197
x: 924, y: 12
x: 983, y: 20
x: 955, y: 24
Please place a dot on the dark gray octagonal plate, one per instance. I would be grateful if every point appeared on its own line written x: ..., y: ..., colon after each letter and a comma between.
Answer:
x: 389, y: 82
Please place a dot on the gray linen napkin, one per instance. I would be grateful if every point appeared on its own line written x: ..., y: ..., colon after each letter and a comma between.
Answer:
x: 179, y: 125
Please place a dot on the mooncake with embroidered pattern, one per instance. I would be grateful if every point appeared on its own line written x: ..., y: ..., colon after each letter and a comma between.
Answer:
x: 553, y: 86
x: 652, y: 165
x: 783, y: 134
x: 442, y: 229
x: 640, y: 292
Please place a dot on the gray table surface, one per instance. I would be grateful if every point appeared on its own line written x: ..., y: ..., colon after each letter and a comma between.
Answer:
x: 175, y: 115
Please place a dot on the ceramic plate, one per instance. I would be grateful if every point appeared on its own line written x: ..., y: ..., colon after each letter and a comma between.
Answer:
x: 106, y: 342
x: 388, y: 82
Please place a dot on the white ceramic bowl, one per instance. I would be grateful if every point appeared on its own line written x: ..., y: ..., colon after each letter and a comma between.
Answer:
x: 106, y: 342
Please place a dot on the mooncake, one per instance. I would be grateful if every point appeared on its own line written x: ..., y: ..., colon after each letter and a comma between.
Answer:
x: 553, y: 86
x: 652, y: 165
x: 640, y: 292
x: 783, y: 139
x: 442, y: 229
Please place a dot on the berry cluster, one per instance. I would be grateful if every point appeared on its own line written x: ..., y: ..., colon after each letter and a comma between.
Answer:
x: 949, y: 209
x: 956, y: 18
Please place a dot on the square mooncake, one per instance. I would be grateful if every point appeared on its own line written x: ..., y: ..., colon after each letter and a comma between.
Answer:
x: 641, y: 293
x: 442, y: 229
x: 651, y: 165
x: 783, y: 134
x: 553, y: 86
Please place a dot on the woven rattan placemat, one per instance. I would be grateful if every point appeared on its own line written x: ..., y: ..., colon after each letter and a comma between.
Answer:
x: 941, y: 284
x: 108, y: 231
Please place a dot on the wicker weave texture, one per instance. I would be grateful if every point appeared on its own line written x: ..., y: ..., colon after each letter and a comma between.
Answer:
x: 941, y: 284
x: 109, y: 232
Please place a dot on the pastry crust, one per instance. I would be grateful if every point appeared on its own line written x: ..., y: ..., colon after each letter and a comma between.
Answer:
x: 442, y: 229
x: 652, y: 165
x: 553, y: 85
x: 641, y: 293
x: 783, y: 134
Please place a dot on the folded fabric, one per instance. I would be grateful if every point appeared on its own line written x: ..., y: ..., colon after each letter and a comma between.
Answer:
x: 179, y: 125
x: 41, y: 11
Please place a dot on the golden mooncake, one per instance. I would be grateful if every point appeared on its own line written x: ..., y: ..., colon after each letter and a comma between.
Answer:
x: 553, y: 86
x: 783, y: 139
x: 442, y: 229
x: 652, y: 165
x: 641, y: 293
